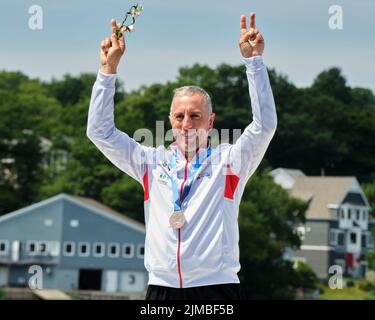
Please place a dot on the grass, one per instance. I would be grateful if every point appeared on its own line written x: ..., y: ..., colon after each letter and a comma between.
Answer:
x: 346, y: 293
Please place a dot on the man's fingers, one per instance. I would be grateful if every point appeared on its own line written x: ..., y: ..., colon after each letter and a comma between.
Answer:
x: 114, y: 41
x: 259, y: 38
x: 252, y: 20
x: 107, y: 42
x: 122, y: 40
x: 113, y: 25
x: 243, y: 24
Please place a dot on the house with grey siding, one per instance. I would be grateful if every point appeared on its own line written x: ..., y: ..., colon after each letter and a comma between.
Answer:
x: 78, y: 243
x: 338, y: 228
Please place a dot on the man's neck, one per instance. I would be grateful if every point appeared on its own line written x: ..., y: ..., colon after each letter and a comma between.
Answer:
x: 190, y: 155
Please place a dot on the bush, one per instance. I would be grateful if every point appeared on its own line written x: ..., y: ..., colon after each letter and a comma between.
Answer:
x: 349, y: 283
x: 307, y: 278
x: 2, y: 294
x: 366, y: 285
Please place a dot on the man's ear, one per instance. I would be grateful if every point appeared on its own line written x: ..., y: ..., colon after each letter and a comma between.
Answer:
x: 211, y: 120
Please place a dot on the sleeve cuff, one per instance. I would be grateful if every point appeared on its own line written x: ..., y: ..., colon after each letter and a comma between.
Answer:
x: 106, y: 80
x: 254, y: 63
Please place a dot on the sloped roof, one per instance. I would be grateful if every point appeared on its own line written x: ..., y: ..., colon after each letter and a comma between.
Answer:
x: 90, y: 203
x: 102, y: 207
x: 294, y: 173
x: 321, y: 192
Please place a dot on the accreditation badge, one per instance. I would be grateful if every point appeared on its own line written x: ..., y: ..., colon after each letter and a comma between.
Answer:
x: 177, y: 220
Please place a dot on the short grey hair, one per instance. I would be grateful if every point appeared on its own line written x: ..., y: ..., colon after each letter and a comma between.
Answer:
x: 190, y: 91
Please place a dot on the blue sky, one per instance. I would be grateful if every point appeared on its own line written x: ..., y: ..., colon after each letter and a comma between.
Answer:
x: 171, y: 34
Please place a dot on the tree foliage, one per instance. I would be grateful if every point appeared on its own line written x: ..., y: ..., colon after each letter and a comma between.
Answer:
x: 327, y: 127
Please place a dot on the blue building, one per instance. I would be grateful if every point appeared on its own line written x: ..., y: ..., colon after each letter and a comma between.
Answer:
x: 79, y: 244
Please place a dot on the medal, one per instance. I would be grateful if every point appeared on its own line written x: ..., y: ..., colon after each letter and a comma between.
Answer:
x: 177, y: 220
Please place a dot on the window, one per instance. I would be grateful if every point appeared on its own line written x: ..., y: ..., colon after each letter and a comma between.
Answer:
x: 341, y: 239
x: 42, y: 248
x: 54, y: 248
x: 99, y: 250
x: 353, y: 238
x: 48, y: 222
x: 31, y: 247
x: 74, y: 223
x: 4, y: 247
x: 365, y: 215
x: 84, y: 249
x: 349, y: 214
x: 333, y: 237
x: 342, y: 213
x: 113, y: 250
x: 69, y: 249
x: 128, y: 250
x: 370, y: 243
x: 364, y: 240
x: 358, y: 214
x: 141, y: 251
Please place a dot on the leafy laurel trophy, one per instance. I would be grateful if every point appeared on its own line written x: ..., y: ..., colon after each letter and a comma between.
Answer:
x: 134, y: 12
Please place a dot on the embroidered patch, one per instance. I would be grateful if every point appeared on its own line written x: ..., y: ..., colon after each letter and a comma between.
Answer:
x: 163, y: 178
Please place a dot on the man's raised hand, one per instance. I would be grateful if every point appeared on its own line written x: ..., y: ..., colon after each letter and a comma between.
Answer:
x: 251, y: 42
x: 111, y: 50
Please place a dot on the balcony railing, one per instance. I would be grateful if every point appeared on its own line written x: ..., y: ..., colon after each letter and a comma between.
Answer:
x: 24, y: 259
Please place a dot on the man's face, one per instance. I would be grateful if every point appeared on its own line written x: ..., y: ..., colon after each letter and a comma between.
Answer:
x: 191, y: 122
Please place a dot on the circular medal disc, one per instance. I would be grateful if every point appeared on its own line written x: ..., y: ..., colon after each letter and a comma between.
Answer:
x: 177, y: 220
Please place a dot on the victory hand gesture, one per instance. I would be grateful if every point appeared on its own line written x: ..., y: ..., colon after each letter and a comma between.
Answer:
x: 111, y: 50
x: 251, y: 42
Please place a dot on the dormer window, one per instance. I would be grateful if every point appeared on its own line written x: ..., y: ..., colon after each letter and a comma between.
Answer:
x: 342, y: 213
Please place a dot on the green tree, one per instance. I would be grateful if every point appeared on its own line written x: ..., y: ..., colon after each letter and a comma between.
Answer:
x: 267, y: 221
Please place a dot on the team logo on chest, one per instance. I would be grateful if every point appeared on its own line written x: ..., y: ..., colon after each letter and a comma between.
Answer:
x: 163, y: 178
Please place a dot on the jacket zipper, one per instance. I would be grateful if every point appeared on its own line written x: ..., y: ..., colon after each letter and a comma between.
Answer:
x: 179, y: 230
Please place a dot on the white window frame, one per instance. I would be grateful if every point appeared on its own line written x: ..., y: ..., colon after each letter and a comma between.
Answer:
x: 139, y: 251
x: 333, y: 237
x: 337, y: 239
x: 117, y: 246
x: 6, y: 243
x: 48, y: 222
x: 131, y: 255
x: 36, y: 246
x: 357, y: 214
x: 80, y: 245
x: 98, y: 255
x: 54, y: 248
x: 350, y: 238
x: 342, y: 213
x: 370, y: 240
x: 74, y: 223
x: 65, y: 253
x: 39, y: 251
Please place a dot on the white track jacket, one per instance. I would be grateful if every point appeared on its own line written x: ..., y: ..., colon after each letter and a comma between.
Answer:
x: 205, y: 250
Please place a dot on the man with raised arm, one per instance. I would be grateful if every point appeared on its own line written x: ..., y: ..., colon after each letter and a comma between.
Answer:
x: 191, y: 245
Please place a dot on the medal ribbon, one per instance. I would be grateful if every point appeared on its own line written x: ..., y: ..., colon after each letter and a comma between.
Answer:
x: 177, y: 200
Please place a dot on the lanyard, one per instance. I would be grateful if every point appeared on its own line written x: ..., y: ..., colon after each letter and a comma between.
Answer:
x: 177, y: 199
